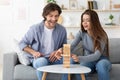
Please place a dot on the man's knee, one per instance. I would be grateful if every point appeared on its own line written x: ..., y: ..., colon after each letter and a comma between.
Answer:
x: 40, y: 62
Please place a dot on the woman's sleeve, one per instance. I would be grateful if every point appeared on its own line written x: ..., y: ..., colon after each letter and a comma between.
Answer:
x: 76, y: 41
x: 93, y: 56
x: 90, y: 58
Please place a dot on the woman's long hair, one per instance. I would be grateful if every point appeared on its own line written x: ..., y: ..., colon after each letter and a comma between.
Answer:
x: 97, y: 32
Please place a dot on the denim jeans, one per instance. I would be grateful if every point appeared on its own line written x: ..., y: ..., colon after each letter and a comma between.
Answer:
x: 43, y: 61
x: 102, y: 67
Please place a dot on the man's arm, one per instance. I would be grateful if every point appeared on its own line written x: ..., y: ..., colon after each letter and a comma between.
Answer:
x: 35, y: 54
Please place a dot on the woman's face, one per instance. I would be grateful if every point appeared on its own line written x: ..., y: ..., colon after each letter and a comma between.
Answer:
x: 51, y: 19
x: 86, y: 22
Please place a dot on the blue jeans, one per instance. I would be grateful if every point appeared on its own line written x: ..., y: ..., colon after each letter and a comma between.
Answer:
x: 102, y: 67
x: 43, y: 61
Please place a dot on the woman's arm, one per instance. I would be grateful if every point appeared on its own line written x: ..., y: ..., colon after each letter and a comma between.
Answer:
x: 76, y: 41
x: 93, y: 56
x: 89, y: 58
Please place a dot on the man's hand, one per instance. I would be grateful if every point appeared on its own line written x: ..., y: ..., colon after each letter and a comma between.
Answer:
x: 37, y: 54
x: 52, y: 57
x: 56, y: 55
x: 59, y: 53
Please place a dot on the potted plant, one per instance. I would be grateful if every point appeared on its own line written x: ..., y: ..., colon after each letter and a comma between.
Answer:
x: 111, y: 17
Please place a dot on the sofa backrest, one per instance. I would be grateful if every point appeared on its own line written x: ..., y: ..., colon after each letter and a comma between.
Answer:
x: 114, y: 50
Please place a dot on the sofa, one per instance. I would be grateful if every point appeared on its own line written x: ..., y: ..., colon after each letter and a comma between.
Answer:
x: 13, y: 70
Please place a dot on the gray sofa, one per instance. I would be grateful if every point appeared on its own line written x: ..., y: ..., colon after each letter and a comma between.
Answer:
x: 13, y: 70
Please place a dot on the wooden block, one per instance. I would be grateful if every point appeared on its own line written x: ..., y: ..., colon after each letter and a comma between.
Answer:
x: 66, y: 49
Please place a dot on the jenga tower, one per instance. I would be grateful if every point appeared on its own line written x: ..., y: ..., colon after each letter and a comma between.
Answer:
x: 66, y: 55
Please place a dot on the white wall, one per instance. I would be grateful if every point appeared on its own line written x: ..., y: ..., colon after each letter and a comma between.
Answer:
x: 16, y: 16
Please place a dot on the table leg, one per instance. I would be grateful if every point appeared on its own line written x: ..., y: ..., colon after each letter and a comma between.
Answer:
x: 68, y: 76
x: 44, y: 75
x: 82, y: 76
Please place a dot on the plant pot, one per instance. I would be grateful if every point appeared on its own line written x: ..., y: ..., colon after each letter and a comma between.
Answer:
x: 110, y: 21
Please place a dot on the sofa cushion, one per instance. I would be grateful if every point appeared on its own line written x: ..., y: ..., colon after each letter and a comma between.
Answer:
x: 115, y: 72
x: 22, y: 72
x: 114, y: 50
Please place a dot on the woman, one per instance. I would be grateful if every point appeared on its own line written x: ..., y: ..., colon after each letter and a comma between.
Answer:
x: 95, y: 45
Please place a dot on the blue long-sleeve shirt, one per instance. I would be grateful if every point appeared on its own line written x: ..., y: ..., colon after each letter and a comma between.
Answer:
x: 33, y: 37
x: 88, y: 47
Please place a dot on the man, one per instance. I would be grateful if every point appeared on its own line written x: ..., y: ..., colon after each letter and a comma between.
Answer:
x: 44, y: 40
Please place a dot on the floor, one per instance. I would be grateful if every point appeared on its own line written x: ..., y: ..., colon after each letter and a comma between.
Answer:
x: 0, y: 72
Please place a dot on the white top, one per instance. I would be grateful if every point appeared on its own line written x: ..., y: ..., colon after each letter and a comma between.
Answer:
x: 74, y: 69
x: 48, y: 40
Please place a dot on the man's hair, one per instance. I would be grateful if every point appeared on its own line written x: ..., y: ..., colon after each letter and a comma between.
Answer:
x: 49, y: 8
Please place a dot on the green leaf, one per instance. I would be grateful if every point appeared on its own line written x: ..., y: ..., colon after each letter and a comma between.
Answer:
x: 51, y: 1
x: 111, y: 16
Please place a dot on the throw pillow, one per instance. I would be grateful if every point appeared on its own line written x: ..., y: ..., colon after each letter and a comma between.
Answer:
x: 22, y: 56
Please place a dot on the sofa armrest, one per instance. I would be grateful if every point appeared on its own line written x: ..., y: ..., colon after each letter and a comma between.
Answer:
x: 9, y: 62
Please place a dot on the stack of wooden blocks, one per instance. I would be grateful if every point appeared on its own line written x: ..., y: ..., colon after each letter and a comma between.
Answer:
x: 66, y: 55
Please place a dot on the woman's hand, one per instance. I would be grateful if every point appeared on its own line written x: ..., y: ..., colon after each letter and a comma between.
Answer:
x: 75, y: 58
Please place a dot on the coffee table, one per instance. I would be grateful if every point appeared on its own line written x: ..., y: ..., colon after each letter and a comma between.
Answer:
x: 74, y: 69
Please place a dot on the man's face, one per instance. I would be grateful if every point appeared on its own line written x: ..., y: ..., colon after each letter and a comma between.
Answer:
x: 51, y: 19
